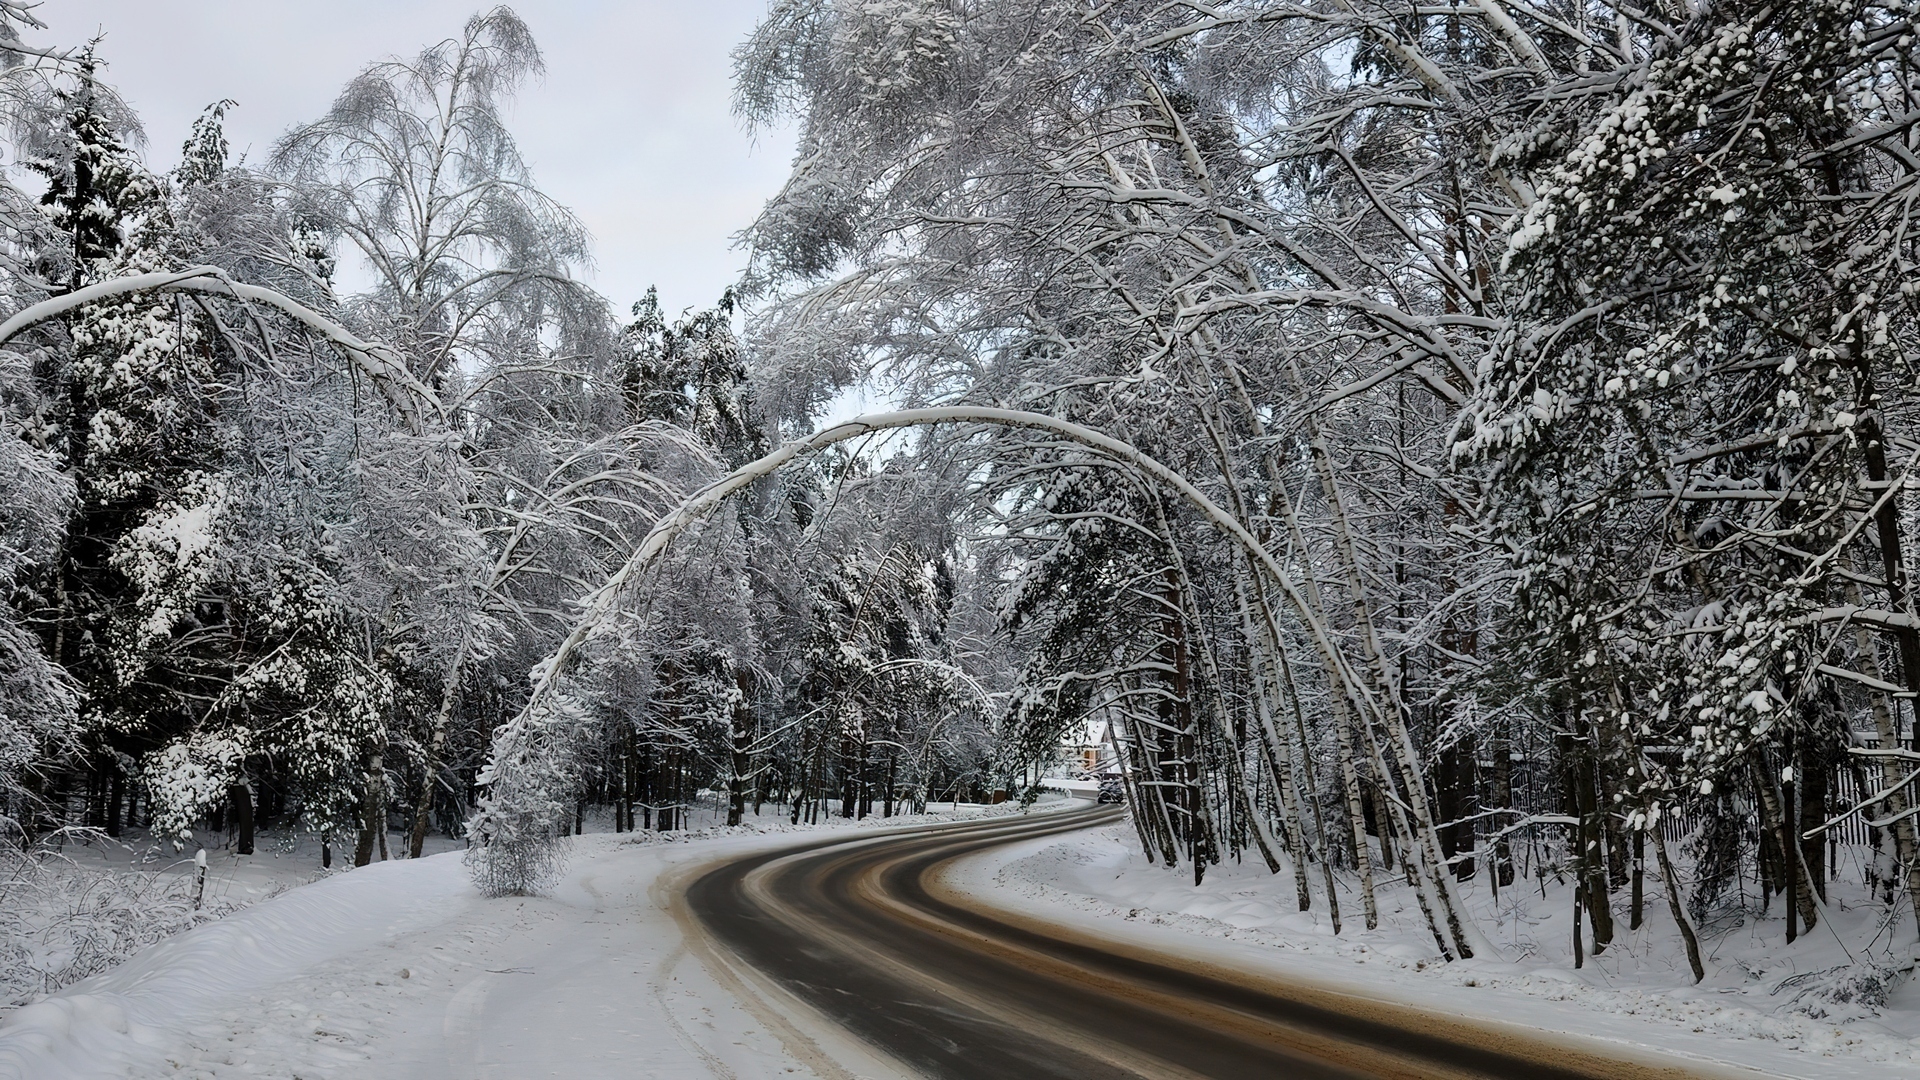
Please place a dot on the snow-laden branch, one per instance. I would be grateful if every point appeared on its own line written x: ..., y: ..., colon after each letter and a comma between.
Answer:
x: 601, y: 603
x: 599, y: 606
x: 379, y: 362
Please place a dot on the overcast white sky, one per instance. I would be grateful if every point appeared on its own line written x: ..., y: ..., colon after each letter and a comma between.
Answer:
x: 632, y: 126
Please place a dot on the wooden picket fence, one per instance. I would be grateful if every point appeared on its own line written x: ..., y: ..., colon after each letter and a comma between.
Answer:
x: 1842, y: 794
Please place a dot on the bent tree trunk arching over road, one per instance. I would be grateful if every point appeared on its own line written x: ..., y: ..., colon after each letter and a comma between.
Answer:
x: 509, y: 822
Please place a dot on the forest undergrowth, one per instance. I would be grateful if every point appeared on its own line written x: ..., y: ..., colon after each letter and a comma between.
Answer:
x: 63, y: 919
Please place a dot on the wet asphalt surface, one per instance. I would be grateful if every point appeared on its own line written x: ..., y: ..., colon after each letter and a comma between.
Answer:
x: 856, y: 929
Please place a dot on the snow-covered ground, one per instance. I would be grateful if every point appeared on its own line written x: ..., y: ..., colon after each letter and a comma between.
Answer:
x: 1749, y: 1012
x: 401, y: 969
x: 82, y: 902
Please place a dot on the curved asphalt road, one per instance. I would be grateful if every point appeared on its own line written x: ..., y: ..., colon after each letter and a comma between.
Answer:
x: 859, y: 931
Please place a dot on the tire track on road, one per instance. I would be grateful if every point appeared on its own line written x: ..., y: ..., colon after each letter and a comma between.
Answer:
x: 862, y: 932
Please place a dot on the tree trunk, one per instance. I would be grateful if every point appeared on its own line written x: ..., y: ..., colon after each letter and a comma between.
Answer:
x: 1418, y: 873
x: 619, y: 780
x: 116, y: 794
x: 1674, y: 906
x: 1240, y: 806
x: 1343, y: 725
x: 1280, y: 505
x: 1886, y: 521
x: 800, y: 787
x: 1639, y: 876
x: 241, y: 796
x: 1502, y: 800
x: 1275, y: 681
x: 1579, y: 902
x: 1377, y: 827
x: 1453, y: 784
x: 667, y: 814
x: 1425, y: 844
x: 1815, y: 775
x: 1391, y: 814
x: 1894, y: 566
x: 852, y: 759
x: 373, y: 811
x: 741, y: 720
x: 1590, y: 838
x: 629, y: 771
x: 1786, y: 851
x: 436, y: 746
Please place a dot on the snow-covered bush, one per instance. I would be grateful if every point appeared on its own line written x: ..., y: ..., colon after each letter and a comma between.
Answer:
x: 516, y: 850
x: 1852, y: 991
x: 61, y: 922
x: 517, y: 839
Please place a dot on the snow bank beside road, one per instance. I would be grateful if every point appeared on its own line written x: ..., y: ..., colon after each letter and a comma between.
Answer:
x: 123, y: 1021
x: 1243, y: 918
x: 400, y: 970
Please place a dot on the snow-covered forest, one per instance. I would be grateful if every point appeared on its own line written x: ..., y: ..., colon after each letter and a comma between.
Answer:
x: 1415, y: 444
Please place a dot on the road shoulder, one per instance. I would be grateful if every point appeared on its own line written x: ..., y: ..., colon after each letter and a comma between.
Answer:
x: 1034, y: 882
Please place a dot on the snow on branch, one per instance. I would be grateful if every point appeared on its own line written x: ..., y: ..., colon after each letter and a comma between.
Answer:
x: 524, y: 741
x: 381, y: 364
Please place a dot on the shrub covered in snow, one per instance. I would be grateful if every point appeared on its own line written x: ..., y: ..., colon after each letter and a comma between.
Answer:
x: 1851, y: 991
x: 61, y: 922
x: 517, y: 839
x: 515, y: 851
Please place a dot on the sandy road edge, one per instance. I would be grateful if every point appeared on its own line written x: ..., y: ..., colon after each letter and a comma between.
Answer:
x: 1526, y: 1041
